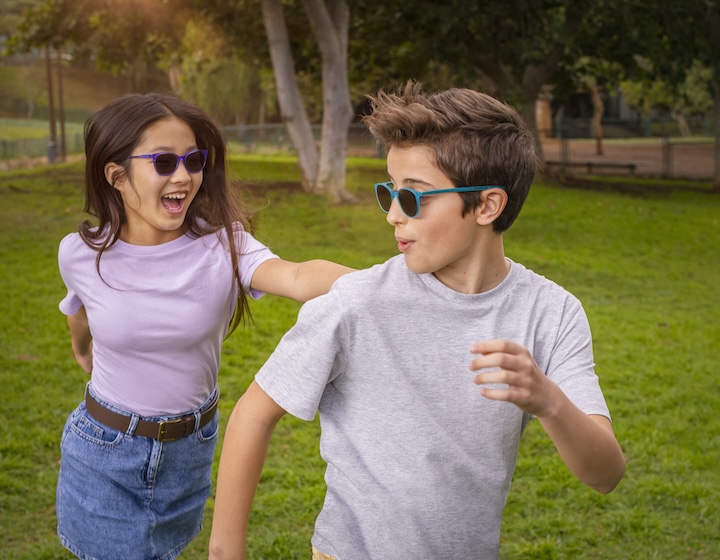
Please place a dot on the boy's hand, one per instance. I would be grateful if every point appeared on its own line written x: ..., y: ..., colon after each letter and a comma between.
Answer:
x: 527, y: 386
x: 585, y: 442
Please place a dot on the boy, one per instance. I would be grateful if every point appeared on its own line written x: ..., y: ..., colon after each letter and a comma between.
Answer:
x: 419, y: 459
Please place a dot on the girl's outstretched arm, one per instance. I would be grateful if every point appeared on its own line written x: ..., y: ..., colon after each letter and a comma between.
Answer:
x: 300, y: 281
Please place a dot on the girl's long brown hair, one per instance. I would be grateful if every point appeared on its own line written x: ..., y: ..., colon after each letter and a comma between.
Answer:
x: 111, y: 135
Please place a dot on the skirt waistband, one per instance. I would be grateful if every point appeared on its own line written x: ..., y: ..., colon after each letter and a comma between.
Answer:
x: 168, y: 430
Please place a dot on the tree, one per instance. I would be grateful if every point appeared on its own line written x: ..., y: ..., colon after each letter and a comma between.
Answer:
x: 323, y: 172
x: 291, y: 104
x: 593, y: 75
x: 49, y: 25
x: 292, y: 48
x: 134, y: 37
x: 692, y: 97
x: 329, y: 20
x: 674, y: 36
x: 213, y: 76
x: 512, y: 48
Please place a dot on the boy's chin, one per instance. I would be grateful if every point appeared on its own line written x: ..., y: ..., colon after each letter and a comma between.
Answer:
x: 418, y: 268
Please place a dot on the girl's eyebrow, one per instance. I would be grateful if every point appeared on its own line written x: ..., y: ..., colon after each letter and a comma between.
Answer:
x: 167, y: 149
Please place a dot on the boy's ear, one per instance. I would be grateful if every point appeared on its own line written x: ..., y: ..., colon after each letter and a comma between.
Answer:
x: 492, y: 204
x: 115, y: 175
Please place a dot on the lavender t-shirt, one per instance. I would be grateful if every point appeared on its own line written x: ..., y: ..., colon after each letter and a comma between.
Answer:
x: 158, y: 315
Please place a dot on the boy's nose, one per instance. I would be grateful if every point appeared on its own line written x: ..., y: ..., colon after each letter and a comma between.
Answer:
x: 395, y: 214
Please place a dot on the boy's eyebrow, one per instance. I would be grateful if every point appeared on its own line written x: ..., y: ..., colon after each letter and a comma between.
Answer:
x: 415, y: 182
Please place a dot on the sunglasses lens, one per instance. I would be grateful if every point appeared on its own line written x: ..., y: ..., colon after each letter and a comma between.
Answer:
x: 384, y: 196
x: 195, y: 161
x: 166, y: 164
x: 408, y: 202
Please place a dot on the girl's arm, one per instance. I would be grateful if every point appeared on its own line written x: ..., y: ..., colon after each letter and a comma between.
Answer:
x: 300, y: 281
x: 81, y: 339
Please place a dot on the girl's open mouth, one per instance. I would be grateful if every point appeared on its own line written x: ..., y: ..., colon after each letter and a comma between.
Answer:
x: 173, y: 202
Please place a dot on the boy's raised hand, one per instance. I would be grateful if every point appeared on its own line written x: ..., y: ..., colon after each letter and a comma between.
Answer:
x: 527, y: 386
x: 585, y: 442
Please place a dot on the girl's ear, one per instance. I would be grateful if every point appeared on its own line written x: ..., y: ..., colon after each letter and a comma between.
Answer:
x: 115, y: 175
x: 492, y: 205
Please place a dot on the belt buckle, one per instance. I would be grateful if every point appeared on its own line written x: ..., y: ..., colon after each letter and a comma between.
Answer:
x: 162, y: 429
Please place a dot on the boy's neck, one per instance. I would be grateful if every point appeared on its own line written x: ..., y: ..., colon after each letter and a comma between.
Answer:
x: 483, y: 273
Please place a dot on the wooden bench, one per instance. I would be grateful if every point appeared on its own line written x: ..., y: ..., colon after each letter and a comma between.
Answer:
x: 590, y: 165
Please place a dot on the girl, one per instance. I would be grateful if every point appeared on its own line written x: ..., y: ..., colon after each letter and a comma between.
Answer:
x: 152, y: 291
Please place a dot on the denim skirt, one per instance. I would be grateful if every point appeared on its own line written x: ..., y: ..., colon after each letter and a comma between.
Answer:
x: 122, y: 496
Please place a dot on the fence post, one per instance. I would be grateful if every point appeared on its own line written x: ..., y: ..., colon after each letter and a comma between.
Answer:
x: 564, y: 152
x: 666, y: 157
x: 51, y: 152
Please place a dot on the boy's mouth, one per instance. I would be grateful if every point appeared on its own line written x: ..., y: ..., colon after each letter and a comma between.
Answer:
x: 173, y: 202
x: 403, y: 245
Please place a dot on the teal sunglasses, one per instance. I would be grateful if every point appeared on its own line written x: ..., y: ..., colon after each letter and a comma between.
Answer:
x: 409, y: 199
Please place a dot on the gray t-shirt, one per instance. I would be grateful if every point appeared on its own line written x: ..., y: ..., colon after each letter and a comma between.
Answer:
x: 419, y: 462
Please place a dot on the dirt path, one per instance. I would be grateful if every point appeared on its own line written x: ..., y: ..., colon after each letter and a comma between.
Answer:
x: 681, y: 161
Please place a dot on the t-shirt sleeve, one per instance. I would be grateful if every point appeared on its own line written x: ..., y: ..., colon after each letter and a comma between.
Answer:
x: 252, y: 254
x: 572, y: 366
x: 71, y: 303
x: 309, y: 357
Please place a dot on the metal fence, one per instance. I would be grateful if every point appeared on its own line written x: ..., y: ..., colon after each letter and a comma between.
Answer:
x: 267, y: 138
x: 647, y: 148
x: 274, y: 138
x: 31, y: 148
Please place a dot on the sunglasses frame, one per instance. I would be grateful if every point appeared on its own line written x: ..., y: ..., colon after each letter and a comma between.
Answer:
x: 178, y: 159
x: 388, y: 186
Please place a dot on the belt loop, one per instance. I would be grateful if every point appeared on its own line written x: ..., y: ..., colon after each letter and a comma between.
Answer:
x: 133, y: 425
x: 197, y: 421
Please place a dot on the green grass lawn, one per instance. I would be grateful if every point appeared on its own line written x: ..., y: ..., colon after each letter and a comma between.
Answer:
x: 646, y: 267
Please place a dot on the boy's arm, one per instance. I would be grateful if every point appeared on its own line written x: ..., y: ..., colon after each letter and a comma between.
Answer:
x: 300, y: 281
x: 245, y: 446
x: 81, y: 338
x: 585, y: 442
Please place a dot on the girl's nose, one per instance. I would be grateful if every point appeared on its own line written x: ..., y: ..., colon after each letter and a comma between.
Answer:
x: 181, y: 174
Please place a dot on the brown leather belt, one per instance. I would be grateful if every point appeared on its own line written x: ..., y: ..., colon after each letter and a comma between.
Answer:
x: 168, y: 430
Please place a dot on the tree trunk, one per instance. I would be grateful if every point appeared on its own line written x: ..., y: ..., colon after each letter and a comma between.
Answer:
x: 682, y: 123
x: 174, y: 73
x: 534, y: 78
x: 329, y: 20
x: 61, y: 107
x: 528, y: 112
x: 716, y: 99
x: 51, y: 108
x: 291, y: 105
x: 499, y: 81
x: 598, y: 110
